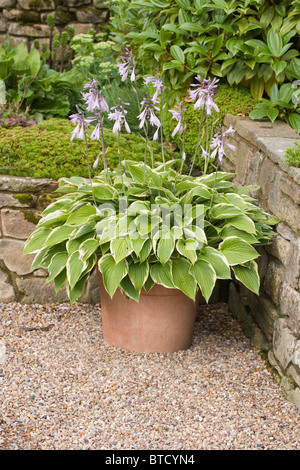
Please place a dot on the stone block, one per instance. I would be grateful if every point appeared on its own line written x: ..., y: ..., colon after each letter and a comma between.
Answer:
x: 273, y: 280
x: 37, y: 290
x: 14, y: 14
x: 235, y: 303
x: 7, y: 3
x: 283, y: 207
x: 35, y: 32
x: 285, y: 231
x: 81, y: 28
x: 15, y: 41
x: 91, y: 15
x: 77, y: 3
x: 3, y: 25
x: 293, y: 264
x: 265, y: 313
x: 275, y: 149
x: 99, y: 4
x: 91, y: 293
x: 18, y: 184
x: 15, y: 225
x: 296, y: 355
x: 253, y: 130
x: 283, y: 343
x: 11, y: 253
x: 265, y: 178
x: 254, y: 168
x: 280, y: 249
x: 17, y: 200
x: 296, y: 397
x: 294, y: 372
x: 290, y: 306
x: 37, y: 4
x: 244, y: 153
x: 7, y: 293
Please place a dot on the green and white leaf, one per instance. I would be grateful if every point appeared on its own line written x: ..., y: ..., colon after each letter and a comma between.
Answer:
x: 57, y: 264
x: 243, y: 222
x: 165, y: 247
x: 112, y: 272
x: 88, y: 247
x: 138, y: 274
x: 182, y: 277
x: 205, y: 276
x: 248, y: 275
x: 129, y: 290
x: 224, y: 211
x: 59, y: 234
x: 237, y: 251
x: 230, y: 231
x: 81, y: 215
x: 36, y: 240
x: 75, y: 267
x: 77, y: 290
x: 162, y: 274
x: 137, y: 244
x: 218, y: 262
x: 59, y: 280
x: 120, y: 248
x: 187, y: 248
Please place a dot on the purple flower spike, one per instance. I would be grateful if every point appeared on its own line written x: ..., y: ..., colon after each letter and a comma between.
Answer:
x: 127, y: 66
x: 78, y: 132
x: 157, y: 83
x: 204, y: 93
x: 177, y: 114
x: 149, y: 113
x: 218, y: 143
x: 119, y: 116
x: 94, y: 98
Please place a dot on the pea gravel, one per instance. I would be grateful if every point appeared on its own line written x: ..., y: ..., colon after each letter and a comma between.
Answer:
x: 64, y: 388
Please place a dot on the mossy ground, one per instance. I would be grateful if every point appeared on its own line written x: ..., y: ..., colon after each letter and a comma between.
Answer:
x: 45, y: 150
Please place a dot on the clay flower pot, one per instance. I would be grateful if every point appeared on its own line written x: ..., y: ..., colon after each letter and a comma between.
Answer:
x: 162, y: 321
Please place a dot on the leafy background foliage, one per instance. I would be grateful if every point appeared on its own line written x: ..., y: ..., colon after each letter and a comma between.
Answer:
x: 254, y: 43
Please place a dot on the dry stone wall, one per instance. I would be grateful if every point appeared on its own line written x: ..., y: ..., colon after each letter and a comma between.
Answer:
x: 21, y: 202
x: 26, y: 20
x: 271, y: 320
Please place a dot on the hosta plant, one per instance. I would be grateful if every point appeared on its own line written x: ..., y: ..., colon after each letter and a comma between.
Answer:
x: 147, y: 223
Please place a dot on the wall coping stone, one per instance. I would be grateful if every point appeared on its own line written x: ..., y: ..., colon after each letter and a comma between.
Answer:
x: 25, y: 184
x: 271, y: 138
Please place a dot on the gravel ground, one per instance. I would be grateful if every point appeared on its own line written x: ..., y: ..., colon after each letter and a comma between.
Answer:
x: 64, y: 388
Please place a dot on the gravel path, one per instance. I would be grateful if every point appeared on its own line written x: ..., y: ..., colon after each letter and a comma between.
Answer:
x: 64, y: 388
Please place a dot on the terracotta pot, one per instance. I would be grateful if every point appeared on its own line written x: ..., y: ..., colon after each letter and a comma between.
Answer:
x: 162, y: 321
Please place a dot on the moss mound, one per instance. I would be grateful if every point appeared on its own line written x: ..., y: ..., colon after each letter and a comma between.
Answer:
x: 45, y: 150
x: 292, y: 155
x: 235, y: 100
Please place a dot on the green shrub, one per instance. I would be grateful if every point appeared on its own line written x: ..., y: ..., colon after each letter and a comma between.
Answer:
x: 29, y: 87
x: 230, y: 99
x: 45, y: 150
x: 250, y: 42
x: 292, y: 155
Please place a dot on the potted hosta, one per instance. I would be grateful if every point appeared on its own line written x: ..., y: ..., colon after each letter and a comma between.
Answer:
x: 159, y: 237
